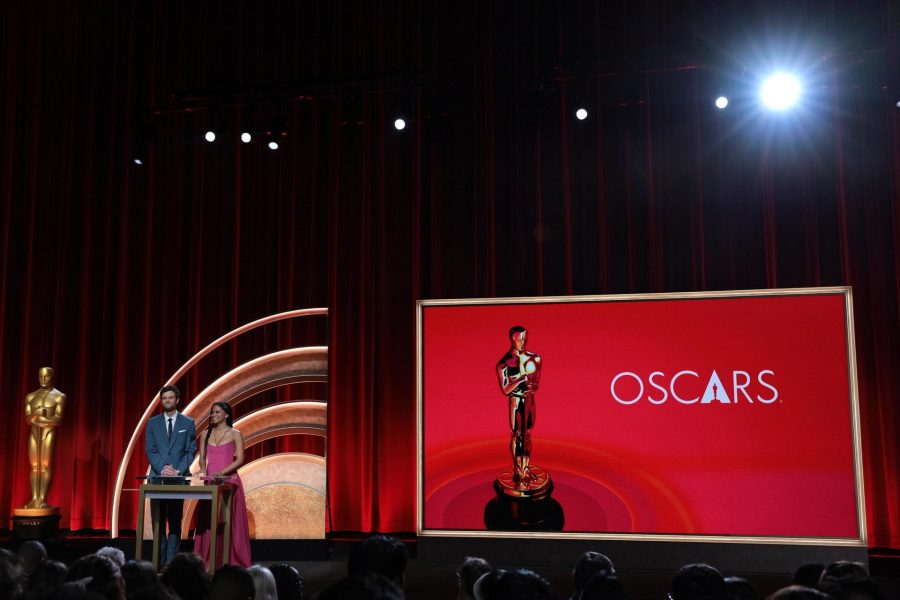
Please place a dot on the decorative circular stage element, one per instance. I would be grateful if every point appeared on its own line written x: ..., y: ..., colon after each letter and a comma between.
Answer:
x: 285, y: 496
x: 536, y: 486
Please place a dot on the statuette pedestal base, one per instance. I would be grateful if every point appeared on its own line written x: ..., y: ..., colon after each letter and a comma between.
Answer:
x: 36, y: 523
x: 523, y: 505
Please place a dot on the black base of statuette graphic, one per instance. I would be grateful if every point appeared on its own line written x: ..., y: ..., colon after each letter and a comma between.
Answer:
x: 523, y: 507
x: 35, y: 528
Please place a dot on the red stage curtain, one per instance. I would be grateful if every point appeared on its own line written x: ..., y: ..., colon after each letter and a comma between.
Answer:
x: 115, y: 275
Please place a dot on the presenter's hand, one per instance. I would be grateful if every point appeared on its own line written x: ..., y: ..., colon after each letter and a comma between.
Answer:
x: 169, y: 471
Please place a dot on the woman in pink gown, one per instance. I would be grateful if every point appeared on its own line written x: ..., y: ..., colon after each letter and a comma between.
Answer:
x: 221, y: 453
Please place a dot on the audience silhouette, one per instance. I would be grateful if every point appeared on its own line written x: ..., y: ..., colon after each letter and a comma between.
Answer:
x: 376, y: 570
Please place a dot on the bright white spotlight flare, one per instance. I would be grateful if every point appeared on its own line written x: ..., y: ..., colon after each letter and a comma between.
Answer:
x: 246, y: 137
x: 721, y: 102
x: 210, y: 136
x: 780, y: 91
x: 581, y: 114
x: 399, y: 124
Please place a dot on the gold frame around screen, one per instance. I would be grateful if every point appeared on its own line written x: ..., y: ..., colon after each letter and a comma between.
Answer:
x: 844, y: 291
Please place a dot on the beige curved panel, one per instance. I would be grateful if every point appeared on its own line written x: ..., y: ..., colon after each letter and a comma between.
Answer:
x: 285, y: 496
x: 287, y: 418
x: 295, y: 365
x: 308, y: 417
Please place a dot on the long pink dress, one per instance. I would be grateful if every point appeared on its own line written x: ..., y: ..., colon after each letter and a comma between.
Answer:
x: 217, y: 458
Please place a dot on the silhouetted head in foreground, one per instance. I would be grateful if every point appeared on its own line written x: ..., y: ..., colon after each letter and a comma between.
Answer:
x: 380, y: 554
x: 698, y: 582
x: 589, y: 564
x: 513, y: 584
x: 470, y: 571
x: 232, y: 583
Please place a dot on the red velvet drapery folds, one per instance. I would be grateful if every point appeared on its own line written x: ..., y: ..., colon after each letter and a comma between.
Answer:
x: 116, y: 274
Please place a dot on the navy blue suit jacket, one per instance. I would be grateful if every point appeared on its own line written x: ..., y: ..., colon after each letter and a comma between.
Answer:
x: 178, y: 451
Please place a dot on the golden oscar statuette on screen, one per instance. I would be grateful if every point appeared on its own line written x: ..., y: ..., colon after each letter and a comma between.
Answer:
x: 522, y: 490
x: 43, y: 412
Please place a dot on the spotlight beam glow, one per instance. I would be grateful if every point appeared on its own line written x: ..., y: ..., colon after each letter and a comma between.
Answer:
x: 780, y: 91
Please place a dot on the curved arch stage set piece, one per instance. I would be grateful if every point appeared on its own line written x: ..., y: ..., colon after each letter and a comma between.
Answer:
x: 285, y: 492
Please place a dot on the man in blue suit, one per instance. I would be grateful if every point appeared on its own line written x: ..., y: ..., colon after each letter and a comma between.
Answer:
x: 171, y: 442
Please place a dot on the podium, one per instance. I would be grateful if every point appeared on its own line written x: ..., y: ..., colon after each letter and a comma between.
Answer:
x: 181, y: 488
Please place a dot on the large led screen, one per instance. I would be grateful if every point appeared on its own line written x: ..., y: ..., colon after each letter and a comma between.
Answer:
x: 728, y: 415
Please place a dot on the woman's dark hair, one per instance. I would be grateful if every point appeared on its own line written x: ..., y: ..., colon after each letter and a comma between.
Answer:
x: 604, y: 586
x: 232, y: 582
x: 186, y: 576
x: 138, y: 574
x: 156, y: 591
x: 699, y: 580
x: 228, y: 420
x: 523, y: 584
x: 382, y: 554
x: 470, y: 570
x: 808, y: 574
x: 588, y: 565
x: 10, y: 574
x: 799, y: 592
x: 46, y: 579
x: 104, y: 574
x: 288, y: 581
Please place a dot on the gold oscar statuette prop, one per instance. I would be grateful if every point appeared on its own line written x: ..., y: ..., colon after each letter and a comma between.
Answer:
x: 44, y: 409
x: 522, y: 490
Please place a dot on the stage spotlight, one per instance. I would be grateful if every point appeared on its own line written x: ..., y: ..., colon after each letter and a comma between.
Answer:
x: 273, y: 145
x: 139, y: 156
x: 780, y: 91
x: 581, y: 114
x: 246, y: 137
x: 210, y: 136
x: 721, y: 102
x: 399, y: 124
x: 146, y: 137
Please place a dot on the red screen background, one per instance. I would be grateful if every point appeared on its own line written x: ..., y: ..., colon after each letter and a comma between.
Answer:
x: 781, y: 469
